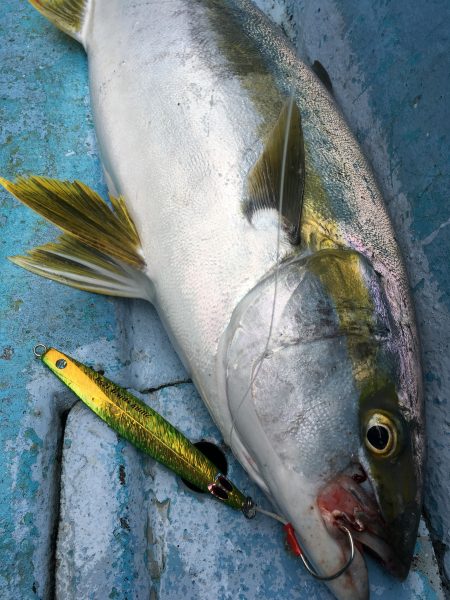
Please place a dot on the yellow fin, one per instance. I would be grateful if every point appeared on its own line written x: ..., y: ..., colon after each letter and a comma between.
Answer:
x: 73, y: 263
x: 283, y: 156
x: 82, y: 213
x: 67, y: 15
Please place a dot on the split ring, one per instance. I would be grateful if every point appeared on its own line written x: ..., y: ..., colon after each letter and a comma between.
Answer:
x: 40, y: 350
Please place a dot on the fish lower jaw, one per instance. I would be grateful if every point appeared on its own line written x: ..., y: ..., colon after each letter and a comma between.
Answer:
x: 346, y: 503
x: 325, y: 553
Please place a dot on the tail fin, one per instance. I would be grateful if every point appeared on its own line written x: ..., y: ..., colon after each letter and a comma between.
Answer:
x: 74, y: 264
x: 68, y: 15
x: 100, y: 249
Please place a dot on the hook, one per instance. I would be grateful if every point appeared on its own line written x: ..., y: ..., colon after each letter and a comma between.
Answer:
x: 292, y: 540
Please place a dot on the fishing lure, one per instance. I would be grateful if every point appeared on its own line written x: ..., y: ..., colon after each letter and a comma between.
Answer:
x: 143, y: 427
x: 150, y: 432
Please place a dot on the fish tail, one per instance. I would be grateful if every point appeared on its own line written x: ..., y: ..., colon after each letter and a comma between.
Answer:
x: 99, y: 251
x: 71, y: 16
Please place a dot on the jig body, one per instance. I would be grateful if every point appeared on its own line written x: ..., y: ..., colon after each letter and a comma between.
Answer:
x: 143, y: 427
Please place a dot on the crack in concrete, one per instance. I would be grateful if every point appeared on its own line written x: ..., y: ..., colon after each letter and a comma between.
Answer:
x: 164, y: 385
x: 52, y: 595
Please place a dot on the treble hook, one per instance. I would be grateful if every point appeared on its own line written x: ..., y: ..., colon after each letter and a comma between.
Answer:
x: 292, y: 540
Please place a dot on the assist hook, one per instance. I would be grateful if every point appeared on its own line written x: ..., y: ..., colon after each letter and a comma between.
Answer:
x: 295, y: 546
x: 250, y: 509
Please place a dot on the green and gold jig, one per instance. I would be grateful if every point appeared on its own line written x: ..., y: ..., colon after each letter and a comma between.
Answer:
x: 143, y: 427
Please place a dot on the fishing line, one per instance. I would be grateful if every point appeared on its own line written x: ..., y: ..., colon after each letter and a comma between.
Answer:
x: 272, y: 515
x: 272, y: 317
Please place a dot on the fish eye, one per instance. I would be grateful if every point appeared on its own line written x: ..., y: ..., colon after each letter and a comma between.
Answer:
x: 381, y: 435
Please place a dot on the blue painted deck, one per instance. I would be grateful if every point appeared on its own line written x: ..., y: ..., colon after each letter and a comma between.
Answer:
x: 128, y: 528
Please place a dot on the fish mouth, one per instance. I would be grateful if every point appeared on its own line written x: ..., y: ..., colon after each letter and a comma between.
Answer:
x: 349, y: 501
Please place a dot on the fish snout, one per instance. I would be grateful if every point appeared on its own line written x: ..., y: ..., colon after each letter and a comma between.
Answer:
x: 350, y: 502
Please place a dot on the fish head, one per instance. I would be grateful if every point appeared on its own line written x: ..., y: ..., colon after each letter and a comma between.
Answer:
x: 323, y: 416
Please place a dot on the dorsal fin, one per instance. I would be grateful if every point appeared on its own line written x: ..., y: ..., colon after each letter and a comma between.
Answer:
x: 264, y: 180
x: 67, y: 15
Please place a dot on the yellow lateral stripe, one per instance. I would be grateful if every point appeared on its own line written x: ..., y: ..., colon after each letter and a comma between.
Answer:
x: 82, y: 213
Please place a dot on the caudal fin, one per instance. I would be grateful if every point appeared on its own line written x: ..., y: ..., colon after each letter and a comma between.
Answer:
x: 100, y: 250
x: 68, y: 15
x: 74, y: 264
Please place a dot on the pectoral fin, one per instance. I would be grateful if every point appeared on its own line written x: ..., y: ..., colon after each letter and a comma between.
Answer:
x: 100, y: 249
x: 277, y: 179
x: 68, y: 15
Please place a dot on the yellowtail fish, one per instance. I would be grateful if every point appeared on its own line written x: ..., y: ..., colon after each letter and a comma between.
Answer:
x: 243, y: 209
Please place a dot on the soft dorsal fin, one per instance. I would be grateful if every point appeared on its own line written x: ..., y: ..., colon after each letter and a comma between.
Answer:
x: 264, y: 180
x: 67, y: 15
x: 83, y: 214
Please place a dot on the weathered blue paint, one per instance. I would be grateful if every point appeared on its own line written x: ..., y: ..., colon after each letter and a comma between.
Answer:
x: 39, y: 128
x: 163, y: 540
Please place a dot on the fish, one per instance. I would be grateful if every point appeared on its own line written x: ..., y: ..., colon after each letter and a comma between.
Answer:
x: 241, y: 206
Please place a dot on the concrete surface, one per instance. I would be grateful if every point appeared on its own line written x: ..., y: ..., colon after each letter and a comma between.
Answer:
x: 84, y: 514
